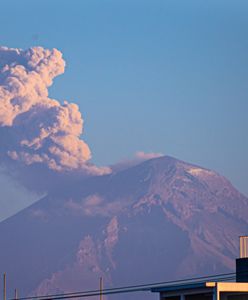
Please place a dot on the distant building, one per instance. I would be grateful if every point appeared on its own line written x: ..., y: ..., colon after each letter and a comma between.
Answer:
x: 205, y: 291
x: 212, y: 290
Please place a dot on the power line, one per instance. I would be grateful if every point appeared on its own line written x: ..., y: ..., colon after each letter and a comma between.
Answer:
x: 134, y: 288
x: 131, y: 288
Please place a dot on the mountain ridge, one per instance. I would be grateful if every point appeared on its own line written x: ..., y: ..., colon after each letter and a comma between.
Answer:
x: 162, y: 209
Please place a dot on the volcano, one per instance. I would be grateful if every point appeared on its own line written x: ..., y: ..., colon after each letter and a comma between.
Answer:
x: 160, y: 220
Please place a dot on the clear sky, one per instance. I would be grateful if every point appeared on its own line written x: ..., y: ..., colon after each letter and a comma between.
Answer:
x: 160, y: 75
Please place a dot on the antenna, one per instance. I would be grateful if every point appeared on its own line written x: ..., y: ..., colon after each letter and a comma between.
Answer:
x: 4, y: 286
x: 243, y: 246
x: 16, y: 294
x: 101, y: 288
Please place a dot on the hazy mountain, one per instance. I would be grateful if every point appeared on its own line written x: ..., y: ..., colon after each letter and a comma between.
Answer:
x: 159, y: 220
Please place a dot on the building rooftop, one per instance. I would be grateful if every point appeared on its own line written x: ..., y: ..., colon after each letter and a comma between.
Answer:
x: 204, y: 290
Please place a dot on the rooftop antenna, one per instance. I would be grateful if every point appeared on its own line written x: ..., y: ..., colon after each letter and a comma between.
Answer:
x: 243, y: 246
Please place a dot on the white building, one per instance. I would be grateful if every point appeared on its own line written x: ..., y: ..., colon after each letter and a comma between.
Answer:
x: 212, y: 290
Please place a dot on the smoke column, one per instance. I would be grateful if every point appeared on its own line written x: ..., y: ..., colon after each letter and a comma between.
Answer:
x: 37, y: 132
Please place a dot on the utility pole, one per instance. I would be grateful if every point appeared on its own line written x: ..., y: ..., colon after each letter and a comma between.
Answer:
x: 16, y: 294
x: 101, y: 288
x: 4, y: 286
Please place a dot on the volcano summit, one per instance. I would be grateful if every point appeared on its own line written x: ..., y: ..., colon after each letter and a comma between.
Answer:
x: 162, y: 219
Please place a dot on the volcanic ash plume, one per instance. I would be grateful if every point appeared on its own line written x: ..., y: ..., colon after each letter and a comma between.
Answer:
x: 35, y: 129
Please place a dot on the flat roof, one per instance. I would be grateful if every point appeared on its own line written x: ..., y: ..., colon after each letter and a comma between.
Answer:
x: 185, y: 286
x: 221, y: 286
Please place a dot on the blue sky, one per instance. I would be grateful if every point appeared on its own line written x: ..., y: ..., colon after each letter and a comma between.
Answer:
x: 160, y: 76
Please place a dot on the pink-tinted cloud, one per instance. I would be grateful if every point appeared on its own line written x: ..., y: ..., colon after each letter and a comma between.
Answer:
x: 94, y: 205
x: 35, y: 129
x: 139, y: 157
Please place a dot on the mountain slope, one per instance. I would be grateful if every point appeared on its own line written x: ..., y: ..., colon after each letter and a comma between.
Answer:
x: 159, y: 220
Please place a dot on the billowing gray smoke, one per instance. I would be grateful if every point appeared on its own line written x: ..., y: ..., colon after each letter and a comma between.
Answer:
x: 37, y: 132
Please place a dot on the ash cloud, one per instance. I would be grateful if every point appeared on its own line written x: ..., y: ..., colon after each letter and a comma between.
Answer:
x: 40, y: 137
x: 142, y: 156
x: 139, y: 157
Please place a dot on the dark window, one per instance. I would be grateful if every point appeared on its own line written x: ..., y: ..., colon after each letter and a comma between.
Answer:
x: 238, y: 297
x: 199, y: 297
